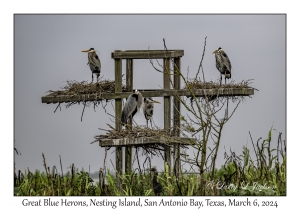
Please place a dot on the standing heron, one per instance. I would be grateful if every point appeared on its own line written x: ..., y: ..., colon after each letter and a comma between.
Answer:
x: 94, y: 62
x: 223, y: 64
x: 157, y: 188
x: 148, y: 109
x: 132, y: 105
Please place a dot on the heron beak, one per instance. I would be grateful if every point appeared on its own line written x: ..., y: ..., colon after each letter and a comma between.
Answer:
x: 84, y: 50
x: 156, y: 102
x: 214, y: 51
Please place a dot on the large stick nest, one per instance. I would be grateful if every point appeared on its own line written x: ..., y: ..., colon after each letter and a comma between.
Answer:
x: 137, y: 131
x: 196, y: 84
x: 78, y: 88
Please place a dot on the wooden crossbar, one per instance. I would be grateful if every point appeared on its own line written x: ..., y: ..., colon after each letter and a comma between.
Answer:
x: 167, y: 92
x: 222, y: 92
x: 146, y: 54
x: 146, y: 140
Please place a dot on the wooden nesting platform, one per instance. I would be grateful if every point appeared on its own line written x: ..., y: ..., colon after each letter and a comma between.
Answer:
x: 146, y: 54
x: 134, y: 141
x: 59, y: 97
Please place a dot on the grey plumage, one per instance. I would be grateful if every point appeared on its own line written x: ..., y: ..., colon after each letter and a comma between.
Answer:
x: 93, y: 62
x: 223, y: 63
x: 157, y: 188
x: 148, y: 108
x: 132, y: 105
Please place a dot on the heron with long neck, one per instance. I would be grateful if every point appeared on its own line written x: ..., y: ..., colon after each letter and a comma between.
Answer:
x: 223, y: 64
x: 148, y: 108
x: 133, y: 104
x: 93, y: 62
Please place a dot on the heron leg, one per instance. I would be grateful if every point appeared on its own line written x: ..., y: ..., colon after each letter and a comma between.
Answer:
x: 130, y: 119
x: 220, y: 78
x: 92, y: 77
x: 147, y: 123
x: 151, y: 123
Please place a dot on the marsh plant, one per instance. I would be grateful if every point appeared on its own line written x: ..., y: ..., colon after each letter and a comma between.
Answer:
x: 241, y: 174
x: 204, y: 121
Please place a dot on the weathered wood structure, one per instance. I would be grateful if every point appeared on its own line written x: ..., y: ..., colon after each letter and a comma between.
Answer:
x: 130, y: 55
x: 57, y: 98
x: 144, y: 140
x: 166, y: 92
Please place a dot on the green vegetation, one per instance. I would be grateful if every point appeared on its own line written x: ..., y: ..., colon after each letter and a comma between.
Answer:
x: 240, y: 175
x: 261, y: 175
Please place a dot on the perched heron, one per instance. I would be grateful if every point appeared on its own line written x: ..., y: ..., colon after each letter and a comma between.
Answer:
x: 223, y: 64
x: 148, y: 109
x: 94, y: 62
x: 132, y: 105
x: 157, y: 188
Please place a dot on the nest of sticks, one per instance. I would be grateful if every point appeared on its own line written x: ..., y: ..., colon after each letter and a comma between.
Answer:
x: 78, y: 88
x: 196, y: 84
x: 136, y: 132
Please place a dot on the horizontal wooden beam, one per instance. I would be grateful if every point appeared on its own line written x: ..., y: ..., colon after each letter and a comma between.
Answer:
x: 145, y: 140
x: 146, y: 54
x: 221, y: 92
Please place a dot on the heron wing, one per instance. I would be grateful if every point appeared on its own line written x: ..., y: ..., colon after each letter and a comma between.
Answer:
x: 134, y: 112
x: 219, y: 63
x: 130, y: 106
x: 97, y: 61
x: 226, y: 61
x: 94, y: 62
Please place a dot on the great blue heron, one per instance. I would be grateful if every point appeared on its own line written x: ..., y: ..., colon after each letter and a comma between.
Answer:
x: 132, y: 105
x: 93, y: 62
x: 223, y: 64
x: 157, y: 188
x: 148, y: 107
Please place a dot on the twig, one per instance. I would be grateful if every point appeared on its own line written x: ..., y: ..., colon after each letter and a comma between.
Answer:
x: 83, y: 110
x: 57, y: 107
x: 200, y: 65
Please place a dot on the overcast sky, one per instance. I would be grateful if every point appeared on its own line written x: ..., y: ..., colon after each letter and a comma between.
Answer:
x: 47, y: 52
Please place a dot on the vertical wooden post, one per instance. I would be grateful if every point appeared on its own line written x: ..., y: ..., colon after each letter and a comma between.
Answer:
x: 129, y: 86
x: 118, y: 110
x: 167, y: 108
x: 176, y: 114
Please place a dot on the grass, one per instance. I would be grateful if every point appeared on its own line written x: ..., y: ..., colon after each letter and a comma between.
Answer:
x: 240, y: 175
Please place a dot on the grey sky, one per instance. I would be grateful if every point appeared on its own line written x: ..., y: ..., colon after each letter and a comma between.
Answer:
x: 47, y: 53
